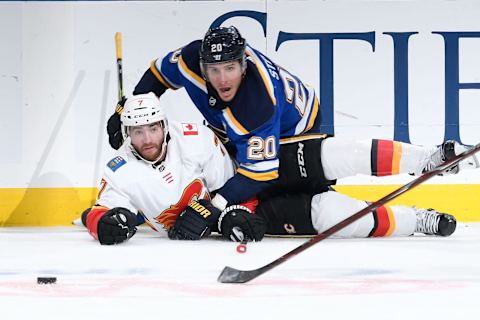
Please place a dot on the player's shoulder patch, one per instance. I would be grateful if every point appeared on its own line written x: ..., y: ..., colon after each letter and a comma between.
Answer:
x: 116, y: 163
x: 189, y: 129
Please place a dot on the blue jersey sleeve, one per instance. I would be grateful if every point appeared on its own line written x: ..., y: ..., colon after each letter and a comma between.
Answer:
x: 240, y: 188
x: 171, y: 71
x: 149, y: 83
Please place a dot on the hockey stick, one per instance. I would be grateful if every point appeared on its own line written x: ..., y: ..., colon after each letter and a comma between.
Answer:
x: 232, y: 275
x: 118, y: 50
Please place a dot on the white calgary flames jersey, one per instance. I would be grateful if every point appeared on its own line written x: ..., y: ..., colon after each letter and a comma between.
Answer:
x: 196, y: 163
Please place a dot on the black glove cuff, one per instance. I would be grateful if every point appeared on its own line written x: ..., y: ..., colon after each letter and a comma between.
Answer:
x: 227, y: 210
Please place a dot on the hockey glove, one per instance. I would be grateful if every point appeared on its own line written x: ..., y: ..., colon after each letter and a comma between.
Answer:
x: 84, y: 216
x: 114, y: 126
x: 195, y: 222
x: 116, y: 226
x: 238, y: 224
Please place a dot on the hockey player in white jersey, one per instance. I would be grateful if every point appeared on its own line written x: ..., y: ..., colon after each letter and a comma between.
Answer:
x: 147, y: 177
x: 168, y: 171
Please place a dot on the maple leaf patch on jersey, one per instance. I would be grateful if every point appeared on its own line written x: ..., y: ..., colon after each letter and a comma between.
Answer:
x: 189, y: 129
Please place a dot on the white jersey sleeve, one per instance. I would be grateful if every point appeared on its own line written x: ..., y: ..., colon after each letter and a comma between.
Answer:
x: 207, y: 152
x: 110, y: 194
x: 110, y: 197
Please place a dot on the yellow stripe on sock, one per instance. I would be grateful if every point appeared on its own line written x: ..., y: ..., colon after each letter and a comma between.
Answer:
x: 391, y: 220
x: 397, y: 155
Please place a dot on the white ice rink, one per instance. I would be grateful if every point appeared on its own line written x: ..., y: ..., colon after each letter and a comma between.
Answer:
x: 151, y: 277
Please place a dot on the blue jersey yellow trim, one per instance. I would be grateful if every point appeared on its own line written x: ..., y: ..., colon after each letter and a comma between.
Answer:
x: 259, y: 176
x: 159, y: 77
x: 191, y: 76
x: 313, y: 115
x: 302, y: 138
x: 234, y: 123
x: 263, y: 73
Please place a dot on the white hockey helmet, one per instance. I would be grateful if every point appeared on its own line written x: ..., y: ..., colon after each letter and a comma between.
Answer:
x: 140, y: 110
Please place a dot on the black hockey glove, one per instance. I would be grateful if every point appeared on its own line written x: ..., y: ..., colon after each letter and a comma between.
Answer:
x: 195, y: 222
x: 236, y: 223
x: 114, y: 126
x: 116, y: 226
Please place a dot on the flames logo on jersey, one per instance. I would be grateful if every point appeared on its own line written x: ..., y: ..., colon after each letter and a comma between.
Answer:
x: 194, y: 191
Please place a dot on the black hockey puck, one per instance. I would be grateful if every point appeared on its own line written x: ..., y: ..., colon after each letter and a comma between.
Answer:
x: 46, y: 280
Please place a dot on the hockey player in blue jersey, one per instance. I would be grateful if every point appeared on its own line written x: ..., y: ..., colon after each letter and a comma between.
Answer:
x: 247, y: 99
x: 269, y: 120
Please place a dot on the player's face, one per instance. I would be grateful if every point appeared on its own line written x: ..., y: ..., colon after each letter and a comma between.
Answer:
x: 147, y: 140
x: 225, y: 78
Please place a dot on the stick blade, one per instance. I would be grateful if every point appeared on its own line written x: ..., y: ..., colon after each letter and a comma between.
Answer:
x: 232, y: 275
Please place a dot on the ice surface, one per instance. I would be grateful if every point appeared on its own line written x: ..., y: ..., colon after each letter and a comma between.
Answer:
x: 152, y: 277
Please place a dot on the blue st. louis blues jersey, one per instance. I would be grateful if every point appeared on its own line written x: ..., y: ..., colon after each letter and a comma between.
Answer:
x: 270, y: 104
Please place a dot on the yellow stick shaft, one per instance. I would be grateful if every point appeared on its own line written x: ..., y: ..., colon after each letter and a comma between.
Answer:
x: 118, y: 44
x: 118, y: 47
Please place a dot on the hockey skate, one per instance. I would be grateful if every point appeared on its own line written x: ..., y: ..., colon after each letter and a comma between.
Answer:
x: 436, y: 223
x: 446, y: 151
